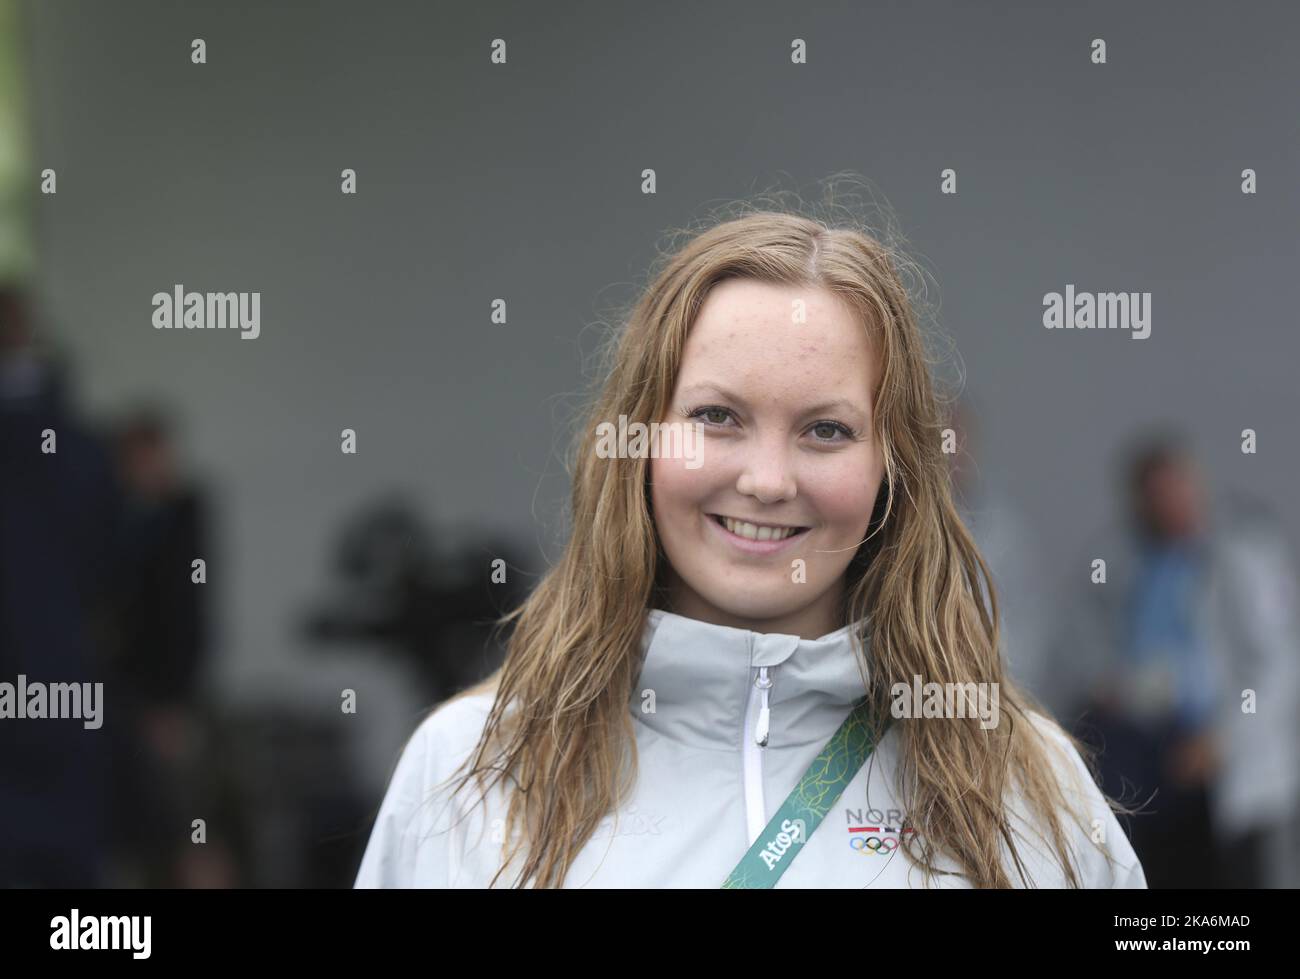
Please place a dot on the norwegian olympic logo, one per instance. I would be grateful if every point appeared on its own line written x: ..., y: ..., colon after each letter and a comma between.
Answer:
x: 876, y: 832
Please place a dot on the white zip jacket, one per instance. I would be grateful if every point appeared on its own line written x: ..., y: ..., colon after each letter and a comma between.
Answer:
x: 705, y: 789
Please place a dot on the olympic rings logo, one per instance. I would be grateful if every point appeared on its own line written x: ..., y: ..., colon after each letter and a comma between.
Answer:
x: 874, y: 844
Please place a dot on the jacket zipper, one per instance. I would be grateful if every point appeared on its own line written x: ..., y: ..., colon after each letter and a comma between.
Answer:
x: 758, y: 716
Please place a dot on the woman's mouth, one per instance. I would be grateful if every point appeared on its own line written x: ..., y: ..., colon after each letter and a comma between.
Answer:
x: 754, y: 537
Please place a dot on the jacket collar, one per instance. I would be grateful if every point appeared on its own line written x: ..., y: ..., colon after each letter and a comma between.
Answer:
x: 702, y: 676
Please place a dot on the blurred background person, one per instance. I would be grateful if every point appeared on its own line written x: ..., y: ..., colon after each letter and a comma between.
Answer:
x: 59, y: 517
x: 1197, y: 618
x: 161, y: 644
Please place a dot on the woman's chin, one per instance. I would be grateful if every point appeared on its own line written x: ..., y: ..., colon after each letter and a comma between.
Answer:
x: 755, y: 607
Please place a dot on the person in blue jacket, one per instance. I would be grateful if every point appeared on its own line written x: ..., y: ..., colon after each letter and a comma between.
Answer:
x: 1185, y: 664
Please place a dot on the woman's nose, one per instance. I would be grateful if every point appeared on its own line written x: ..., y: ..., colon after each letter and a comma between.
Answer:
x: 767, y: 474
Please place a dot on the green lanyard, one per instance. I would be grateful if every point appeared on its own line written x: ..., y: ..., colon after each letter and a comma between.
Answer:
x: 805, y: 807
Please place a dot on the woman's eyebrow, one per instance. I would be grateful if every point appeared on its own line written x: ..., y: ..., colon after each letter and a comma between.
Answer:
x: 715, y: 388
x: 839, y: 403
x: 834, y: 404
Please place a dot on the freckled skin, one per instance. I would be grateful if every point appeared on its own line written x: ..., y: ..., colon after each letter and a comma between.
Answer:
x: 769, y: 458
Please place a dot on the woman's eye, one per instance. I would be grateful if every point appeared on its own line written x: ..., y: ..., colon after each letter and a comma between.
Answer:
x: 826, y: 431
x: 823, y: 431
x: 712, y: 414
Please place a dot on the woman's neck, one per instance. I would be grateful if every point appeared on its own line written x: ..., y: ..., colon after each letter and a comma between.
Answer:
x: 821, y: 617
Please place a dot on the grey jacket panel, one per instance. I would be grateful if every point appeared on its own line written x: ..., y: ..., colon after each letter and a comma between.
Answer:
x: 705, y: 789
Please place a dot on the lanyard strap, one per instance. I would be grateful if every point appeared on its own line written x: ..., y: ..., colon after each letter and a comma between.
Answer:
x: 805, y: 807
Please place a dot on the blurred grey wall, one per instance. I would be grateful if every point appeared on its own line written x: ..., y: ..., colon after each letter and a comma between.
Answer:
x: 522, y: 181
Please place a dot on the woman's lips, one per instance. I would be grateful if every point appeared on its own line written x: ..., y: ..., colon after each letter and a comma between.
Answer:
x: 751, y: 546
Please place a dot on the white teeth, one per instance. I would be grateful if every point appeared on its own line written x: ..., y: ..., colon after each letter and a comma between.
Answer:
x: 753, y: 532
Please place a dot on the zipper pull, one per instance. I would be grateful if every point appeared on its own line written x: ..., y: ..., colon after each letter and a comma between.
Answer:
x: 764, y: 683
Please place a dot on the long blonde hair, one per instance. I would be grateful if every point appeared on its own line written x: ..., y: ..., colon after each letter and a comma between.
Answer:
x: 561, y: 727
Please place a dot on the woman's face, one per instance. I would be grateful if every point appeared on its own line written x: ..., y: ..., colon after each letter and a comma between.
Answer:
x: 787, y: 458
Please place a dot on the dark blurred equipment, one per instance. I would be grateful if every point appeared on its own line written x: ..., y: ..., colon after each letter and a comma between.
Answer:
x: 434, y: 607
x: 292, y: 777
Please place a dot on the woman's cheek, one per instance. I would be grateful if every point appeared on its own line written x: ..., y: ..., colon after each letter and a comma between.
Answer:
x: 673, y: 487
x: 845, y: 494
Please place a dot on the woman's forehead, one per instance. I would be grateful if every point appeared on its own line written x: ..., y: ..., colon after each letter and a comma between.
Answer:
x: 757, y: 338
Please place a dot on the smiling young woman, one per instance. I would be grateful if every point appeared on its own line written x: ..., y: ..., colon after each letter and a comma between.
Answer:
x: 791, y: 471
x: 718, y: 637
